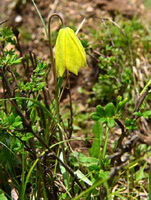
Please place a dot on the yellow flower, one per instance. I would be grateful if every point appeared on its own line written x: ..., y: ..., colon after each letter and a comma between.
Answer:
x: 70, y: 53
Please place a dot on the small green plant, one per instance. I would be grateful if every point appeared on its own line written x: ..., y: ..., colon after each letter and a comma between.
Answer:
x: 119, y: 51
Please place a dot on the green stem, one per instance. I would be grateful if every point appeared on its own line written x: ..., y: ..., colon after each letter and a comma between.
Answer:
x: 53, y: 67
x: 105, y: 143
x: 150, y: 184
x: 70, y: 106
x: 23, y: 175
x: 146, y: 87
x: 27, y: 178
x: 55, y: 80
x: 107, y: 191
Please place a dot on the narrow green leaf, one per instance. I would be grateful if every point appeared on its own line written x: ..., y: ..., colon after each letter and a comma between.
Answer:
x: 81, y: 176
x: 28, y: 177
x: 40, y: 16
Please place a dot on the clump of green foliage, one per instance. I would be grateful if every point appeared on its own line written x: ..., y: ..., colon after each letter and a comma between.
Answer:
x: 121, y: 45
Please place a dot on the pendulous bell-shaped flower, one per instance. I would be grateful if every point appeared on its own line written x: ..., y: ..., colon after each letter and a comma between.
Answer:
x: 69, y: 53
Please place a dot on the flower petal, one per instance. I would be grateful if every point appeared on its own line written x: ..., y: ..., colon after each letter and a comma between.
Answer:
x: 60, y: 49
x: 75, y: 54
x: 70, y: 53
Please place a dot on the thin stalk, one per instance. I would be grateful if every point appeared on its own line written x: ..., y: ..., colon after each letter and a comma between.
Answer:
x: 4, y: 95
x: 150, y: 184
x: 105, y: 143
x: 20, y: 51
x: 70, y: 106
x: 128, y: 182
x: 43, y: 184
x: 53, y: 67
x: 109, y: 197
x: 23, y: 174
x: 3, y: 22
x: 147, y: 87
x: 55, y: 80
x: 40, y: 16
x: 27, y: 178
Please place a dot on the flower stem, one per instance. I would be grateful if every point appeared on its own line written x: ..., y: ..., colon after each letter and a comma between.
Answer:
x: 56, y: 81
x: 53, y: 65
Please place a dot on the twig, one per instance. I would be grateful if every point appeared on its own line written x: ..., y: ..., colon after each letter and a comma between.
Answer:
x: 107, y: 19
x: 140, y: 100
x: 32, y: 59
x: 126, y: 148
x: 80, y: 26
x: 3, y: 22
x: 15, y: 80
x: 123, y: 134
x: 4, y: 94
x: 16, y: 33
x: 103, y: 20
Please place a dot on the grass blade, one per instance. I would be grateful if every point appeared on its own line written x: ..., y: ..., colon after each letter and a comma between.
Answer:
x: 41, y: 18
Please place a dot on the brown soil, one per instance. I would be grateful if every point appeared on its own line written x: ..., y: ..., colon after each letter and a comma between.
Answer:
x: 73, y: 11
